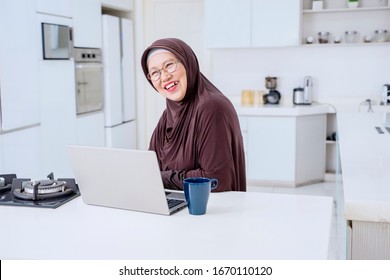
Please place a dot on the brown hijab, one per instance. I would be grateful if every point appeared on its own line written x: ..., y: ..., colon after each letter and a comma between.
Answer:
x: 199, y: 136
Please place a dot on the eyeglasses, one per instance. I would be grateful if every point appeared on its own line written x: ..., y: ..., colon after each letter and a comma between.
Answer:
x: 169, y: 67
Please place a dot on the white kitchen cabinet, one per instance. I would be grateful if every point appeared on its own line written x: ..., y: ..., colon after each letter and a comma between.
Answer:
x: 21, y: 153
x: 1, y: 155
x: 252, y: 23
x: 275, y: 23
x: 228, y: 23
x: 57, y: 7
x: 123, y: 5
x: 285, y: 150
x: 58, y: 110
x: 87, y: 23
x: 19, y: 93
x: 90, y: 129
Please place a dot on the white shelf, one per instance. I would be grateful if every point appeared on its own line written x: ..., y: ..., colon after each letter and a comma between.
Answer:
x: 314, y: 45
x: 309, y: 11
x: 338, y: 21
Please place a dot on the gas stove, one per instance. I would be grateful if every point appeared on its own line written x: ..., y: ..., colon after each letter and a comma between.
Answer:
x: 47, y: 193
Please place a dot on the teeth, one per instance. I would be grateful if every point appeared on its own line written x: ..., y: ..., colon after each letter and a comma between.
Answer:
x: 171, y: 85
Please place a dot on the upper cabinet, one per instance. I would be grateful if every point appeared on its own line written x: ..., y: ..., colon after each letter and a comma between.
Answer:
x: 87, y: 22
x: 336, y: 23
x: 19, y: 87
x: 275, y: 23
x: 252, y: 23
x: 57, y: 7
x: 123, y: 5
x: 227, y: 23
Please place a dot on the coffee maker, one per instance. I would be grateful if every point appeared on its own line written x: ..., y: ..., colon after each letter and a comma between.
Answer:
x: 273, y: 96
x: 385, y: 95
x: 302, y: 96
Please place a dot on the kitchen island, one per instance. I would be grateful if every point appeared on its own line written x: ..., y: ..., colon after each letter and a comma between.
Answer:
x: 365, y: 161
x: 237, y: 225
x: 285, y: 145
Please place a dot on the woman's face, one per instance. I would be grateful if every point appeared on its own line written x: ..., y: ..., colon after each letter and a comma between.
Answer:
x: 172, y: 86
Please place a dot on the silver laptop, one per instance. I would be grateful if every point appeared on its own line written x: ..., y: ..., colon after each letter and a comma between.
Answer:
x: 121, y: 178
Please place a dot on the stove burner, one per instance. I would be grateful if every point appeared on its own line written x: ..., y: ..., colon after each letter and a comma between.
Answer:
x: 42, y: 189
x: 48, y: 193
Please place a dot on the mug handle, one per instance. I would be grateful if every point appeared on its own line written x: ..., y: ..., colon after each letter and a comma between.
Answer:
x: 214, y: 183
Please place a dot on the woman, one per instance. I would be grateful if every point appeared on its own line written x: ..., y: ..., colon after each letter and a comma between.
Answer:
x: 198, y: 134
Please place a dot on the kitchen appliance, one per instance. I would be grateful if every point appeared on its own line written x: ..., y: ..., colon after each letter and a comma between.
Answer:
x: 47, y: 193
x: 298, y: 96
x: 119, y: 82
x: 273, y: 96
x: 89, y: 80
x: 56, y: 41
x: 303, y: 96
x: 385, y: 95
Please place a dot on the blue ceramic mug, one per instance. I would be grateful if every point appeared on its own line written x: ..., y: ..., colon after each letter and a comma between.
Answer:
x: 197, y: 191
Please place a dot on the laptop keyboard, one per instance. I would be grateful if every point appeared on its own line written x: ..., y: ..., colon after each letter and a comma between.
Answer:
x: 173, y: 202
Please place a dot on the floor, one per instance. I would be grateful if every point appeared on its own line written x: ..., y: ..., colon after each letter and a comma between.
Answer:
x: 338, y: 240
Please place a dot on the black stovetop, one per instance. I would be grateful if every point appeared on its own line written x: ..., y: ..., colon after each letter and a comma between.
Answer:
x: 12, y: 183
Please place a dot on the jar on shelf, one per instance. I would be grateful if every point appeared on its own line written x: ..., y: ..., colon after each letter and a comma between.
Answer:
x: 323, y: 37
x: 351, y: 36
x: 380, y: 35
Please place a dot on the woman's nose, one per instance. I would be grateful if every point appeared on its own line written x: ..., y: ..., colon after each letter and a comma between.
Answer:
x: 165, y: 75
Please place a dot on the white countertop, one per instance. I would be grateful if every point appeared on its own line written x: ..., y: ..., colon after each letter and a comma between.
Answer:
x: 365, y: 163
x: 236, y: 226
x: 282, y: 110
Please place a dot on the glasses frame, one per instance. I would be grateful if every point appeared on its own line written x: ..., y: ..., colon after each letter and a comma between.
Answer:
x: 166, y: 70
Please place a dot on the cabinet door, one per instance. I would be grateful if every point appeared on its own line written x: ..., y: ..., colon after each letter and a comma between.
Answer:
x: 112, y: 71
x: 227, y: 23
x: 57, y: 7
x: 21, y: 153
x: 128, y: 69
x: 275, y: 23
x: 87, y: 24
x: 124, y: 5
x: 19, y: 95
x: 271, y: 150
x: 1, y: 156
x: 58, y: 125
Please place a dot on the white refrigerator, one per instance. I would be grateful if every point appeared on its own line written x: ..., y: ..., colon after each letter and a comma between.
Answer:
x: 119, y: 82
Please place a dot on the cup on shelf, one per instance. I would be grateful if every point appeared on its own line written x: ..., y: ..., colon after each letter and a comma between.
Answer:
x: 247, y: 97
x: 317, y: 5
x: 259, y: 97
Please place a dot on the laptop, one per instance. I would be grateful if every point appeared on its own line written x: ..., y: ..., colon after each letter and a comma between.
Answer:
x: 122, y: 178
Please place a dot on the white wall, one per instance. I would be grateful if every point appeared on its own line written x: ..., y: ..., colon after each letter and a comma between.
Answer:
x: 170, y: 18
x: 340, y: 73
